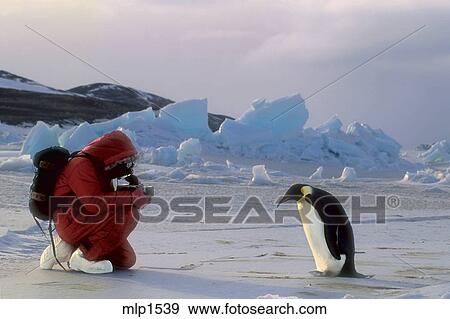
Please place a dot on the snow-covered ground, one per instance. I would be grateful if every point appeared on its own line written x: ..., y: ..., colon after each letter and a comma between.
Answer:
x: 409, y: 254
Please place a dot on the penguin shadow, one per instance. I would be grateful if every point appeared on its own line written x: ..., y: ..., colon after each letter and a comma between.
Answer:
x: 363, y: 284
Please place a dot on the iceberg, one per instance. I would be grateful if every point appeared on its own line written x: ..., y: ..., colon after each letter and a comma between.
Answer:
x: 188, y: 118
x: 164, y: 155
x: 438, y: 153
x: 348, y: 174
x: 189, y: 151
x: 177, y: 174
x: 231, y: 166
x: 284, y: 117
x: 317, y: 174
x: 131, y: 120
x: 240, y: 137
x: 374, y: 143
x: 333, y: 125
x: 267, y: 130
x: 427, y: 176
x: 134, y: 124
x: 40, y: 137
x: 79, y: 137
x: 265, y: 122
x: 259, y: 133
x: 260, y: 176
x: 178, y: 122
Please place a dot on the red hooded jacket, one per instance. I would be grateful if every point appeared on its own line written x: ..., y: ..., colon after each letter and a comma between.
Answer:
x: 85, y: 178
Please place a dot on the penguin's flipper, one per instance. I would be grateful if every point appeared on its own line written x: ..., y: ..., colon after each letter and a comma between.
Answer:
x: 345, y: 240
x: 331, y: 237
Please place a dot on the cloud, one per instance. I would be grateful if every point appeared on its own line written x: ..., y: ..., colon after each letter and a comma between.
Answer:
x: 356, y: 6
x: 235, y: 51
x: 216, y: 34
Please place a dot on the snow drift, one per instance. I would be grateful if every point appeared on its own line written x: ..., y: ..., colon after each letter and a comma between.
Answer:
x: 22, y: 164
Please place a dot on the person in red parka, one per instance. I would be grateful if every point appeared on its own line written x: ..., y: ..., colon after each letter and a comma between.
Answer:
x: 93, y: 231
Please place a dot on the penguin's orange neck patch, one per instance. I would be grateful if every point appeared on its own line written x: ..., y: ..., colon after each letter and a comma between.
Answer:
x: 306, y: 190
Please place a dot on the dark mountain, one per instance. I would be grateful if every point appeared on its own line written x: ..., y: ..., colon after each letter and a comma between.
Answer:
x: 25, y: 101
x: 10, y: 80
x: 122, y: 94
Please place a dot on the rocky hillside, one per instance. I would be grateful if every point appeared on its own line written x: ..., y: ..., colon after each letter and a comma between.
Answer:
x: 25, y: 101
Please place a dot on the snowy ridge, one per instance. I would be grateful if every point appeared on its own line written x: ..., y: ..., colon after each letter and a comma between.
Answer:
x: 24, y: 243
x: 109, y: 91
x: 21, y: 249
x: 14, y: 82
x: 19, y: 164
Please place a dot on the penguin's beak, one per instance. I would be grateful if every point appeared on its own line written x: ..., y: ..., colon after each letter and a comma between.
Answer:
x: 293, y: 193
x: 287, y: 198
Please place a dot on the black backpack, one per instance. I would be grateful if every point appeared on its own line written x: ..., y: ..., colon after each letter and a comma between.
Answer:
x: 48, y: 164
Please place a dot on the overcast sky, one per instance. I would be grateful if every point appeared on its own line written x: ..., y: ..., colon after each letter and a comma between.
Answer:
x: 233, y: 52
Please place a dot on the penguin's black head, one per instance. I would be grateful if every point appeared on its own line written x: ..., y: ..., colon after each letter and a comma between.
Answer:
x: 296, y: 192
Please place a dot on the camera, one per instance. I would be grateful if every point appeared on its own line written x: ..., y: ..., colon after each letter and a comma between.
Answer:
x: 149, y: 191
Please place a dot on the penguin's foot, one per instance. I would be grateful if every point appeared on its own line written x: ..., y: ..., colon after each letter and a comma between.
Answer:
x: 317, y: 273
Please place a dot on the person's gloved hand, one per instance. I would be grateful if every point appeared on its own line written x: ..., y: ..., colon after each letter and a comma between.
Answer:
x: 140, y: 200
x: 132, y: 180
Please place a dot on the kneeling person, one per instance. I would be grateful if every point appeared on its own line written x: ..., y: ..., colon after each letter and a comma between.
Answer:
x: 90, y: 245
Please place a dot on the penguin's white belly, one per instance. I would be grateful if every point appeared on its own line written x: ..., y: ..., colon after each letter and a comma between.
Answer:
x: 315, y: 235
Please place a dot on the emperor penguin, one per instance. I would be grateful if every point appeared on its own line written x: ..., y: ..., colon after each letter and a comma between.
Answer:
x: 327, y: 229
